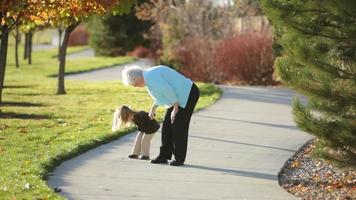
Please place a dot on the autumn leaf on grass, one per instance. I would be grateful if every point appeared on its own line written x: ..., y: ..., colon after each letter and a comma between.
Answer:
x: 22, y: 130
x: 3, y: 126
x: 27, y: 162
x: 60, y: 121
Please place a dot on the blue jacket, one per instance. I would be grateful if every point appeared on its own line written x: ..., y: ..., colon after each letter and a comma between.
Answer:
x: 166, y: 86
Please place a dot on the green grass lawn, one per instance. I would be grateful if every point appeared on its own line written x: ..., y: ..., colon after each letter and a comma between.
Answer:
x: 39, y: 129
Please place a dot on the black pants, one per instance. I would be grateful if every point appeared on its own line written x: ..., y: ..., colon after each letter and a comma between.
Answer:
x: 175, y: 136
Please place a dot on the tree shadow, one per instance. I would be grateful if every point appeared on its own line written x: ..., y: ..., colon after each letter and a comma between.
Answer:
x: 243, y: 143
x: 12, y: 115
x: 278, y: 95
x: 18, y: 86
x: 21, y: 104
x: 251, y: 122
x: 235, y: 172
x: 31, y: 94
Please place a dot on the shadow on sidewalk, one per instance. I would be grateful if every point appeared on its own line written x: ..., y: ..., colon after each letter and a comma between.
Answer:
x: 242, y: 143
x: 87, y: 71
x: 260, y: 94
x: 234, y: 172
x: 250, y: 122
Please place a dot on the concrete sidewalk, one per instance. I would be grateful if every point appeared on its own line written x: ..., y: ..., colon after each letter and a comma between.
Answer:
x: 112, y: 73
x: 236, y: 149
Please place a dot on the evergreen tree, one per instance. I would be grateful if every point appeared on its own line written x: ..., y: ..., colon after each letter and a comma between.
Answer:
x: 114, y: 35
x: 317, y: 43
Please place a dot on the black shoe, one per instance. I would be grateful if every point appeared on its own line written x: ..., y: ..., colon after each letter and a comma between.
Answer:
x: 144, y: 157
x: 176, y: 163
x: 159, y: 160
x: 133, y: 156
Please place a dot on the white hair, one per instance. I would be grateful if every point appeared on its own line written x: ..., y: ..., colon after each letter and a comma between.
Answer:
x: 131, y: 74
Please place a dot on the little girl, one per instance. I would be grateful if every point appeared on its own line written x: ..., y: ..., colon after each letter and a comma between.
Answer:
x: 146, y: 129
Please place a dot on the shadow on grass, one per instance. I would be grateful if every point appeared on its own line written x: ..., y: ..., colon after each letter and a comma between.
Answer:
x: 208, y: 90
x: 21, y: 104
x: 31, y: 94
x: 18, y: 86
x: 71, y: 53
x: 12, y: 115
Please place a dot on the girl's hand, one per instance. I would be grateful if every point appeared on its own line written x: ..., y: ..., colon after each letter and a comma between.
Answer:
x: 151, y: 115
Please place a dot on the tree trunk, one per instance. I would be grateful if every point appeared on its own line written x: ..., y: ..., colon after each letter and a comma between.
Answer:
x: 60, y: 32
x: 25, y: 54
x: 30, y: 36
x: 62, y: 59
x: 3, y: 55
x: 17, y: 41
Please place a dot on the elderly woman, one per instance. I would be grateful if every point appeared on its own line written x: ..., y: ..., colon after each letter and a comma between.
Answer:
x: 180, y: 95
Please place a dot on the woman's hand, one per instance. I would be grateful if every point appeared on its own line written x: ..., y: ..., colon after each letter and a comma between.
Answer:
x: 152, y: 112
x: 174, y: 112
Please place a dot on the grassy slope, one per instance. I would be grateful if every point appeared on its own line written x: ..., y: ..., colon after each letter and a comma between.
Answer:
x: 39, y: 129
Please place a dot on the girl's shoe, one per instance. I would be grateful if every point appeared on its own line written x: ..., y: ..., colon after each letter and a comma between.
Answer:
x: 144, y: 158
x: 133, y: 156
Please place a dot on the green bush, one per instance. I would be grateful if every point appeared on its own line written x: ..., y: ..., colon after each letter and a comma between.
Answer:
x: 115, y: 35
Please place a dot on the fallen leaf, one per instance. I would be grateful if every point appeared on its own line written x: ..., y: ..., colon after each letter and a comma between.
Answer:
x: 27, y: 186
x: 329, y: 188
x: 349, y: 179
x: 22, y: 130
x: 295, y: 164
x: 26, y: 162
x: 3, y: 127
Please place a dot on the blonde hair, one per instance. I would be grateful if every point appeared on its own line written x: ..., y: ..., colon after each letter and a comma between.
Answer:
x: 121, y: 117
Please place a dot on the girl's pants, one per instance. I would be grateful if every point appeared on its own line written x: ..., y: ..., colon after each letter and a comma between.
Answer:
x: 175, y: 136
x: 142, y: 144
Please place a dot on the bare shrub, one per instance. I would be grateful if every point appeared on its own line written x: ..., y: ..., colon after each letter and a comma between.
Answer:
x: 243, y: 59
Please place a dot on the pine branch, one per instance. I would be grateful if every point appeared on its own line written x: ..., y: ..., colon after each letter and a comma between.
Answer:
x: 315, y: 33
